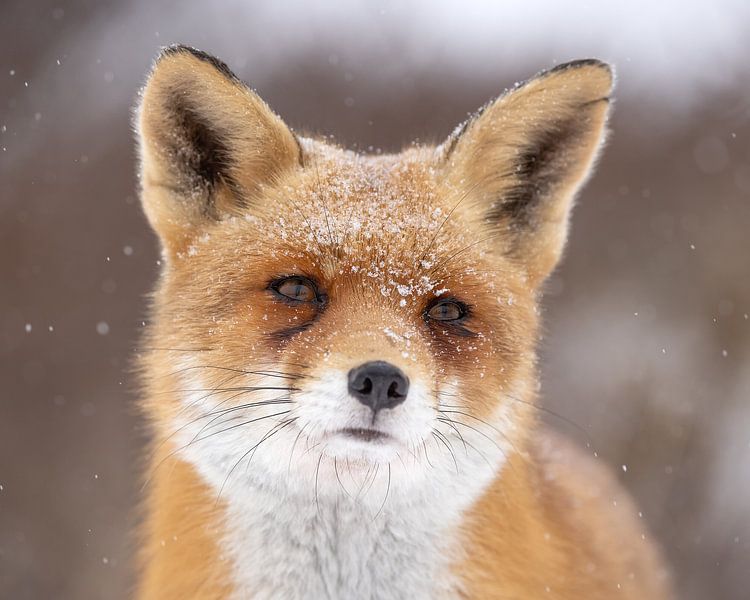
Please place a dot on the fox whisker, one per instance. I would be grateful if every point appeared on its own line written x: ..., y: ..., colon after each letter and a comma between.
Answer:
x: 371, y: 482
x: 242, y: 407
x: 336, y: 470
x: 480, y: 432
x: 273, y: 431
x: 387, y: 491
x: 294, y: 445
x: 483, y: 422
x: 552, y: 413
x: 248, y: 422
x: 182, y: 448
x: 265, y: 373
x: 160, y: 348
x: 220, y: 412
x: 211, y: 391
x: 254, y: 388
x: 446, y: 442
x: 284, y: 423
x: 458, y: 434
x: 317, y: 473
x: 222, y: 390
x: 448, y: 216
x: 461, y: 251
x: 467, y: 445
x: 426, y: 455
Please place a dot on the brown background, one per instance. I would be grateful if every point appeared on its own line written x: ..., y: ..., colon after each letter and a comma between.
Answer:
x: 647, y: 343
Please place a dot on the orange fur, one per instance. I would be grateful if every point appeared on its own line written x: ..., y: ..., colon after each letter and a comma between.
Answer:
x: 181, y: 556
x: 567, y: 531
x: 237, y: 200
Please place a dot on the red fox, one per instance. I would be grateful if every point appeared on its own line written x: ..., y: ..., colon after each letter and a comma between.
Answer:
x: 340, y: 371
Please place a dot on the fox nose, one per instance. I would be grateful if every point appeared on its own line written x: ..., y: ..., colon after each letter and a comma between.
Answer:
x: 378, y: 384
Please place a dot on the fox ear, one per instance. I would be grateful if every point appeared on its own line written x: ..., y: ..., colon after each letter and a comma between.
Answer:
x: 207, y: 144
x: 518, y: 164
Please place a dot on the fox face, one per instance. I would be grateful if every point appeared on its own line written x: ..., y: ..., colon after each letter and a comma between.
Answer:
x: 335, y: 324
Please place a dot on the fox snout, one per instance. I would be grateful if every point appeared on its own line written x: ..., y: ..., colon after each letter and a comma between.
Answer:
x: 378, y: 385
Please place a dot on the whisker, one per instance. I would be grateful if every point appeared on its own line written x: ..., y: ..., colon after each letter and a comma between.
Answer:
x: 210, y: 393
x: 294, y: 445
x: 160, y: 348
x: 446, y: 443
x: 265, y: 373
x: 466, y: 443
x: 251, y: 388
x: 448, y: 216
x: 474, y: 429
x: 336, y: 470
x: 220, y: 413
x: 309, y: 448
x: 317, y: 473
x: 364, y: 479
x: 426, y: 456
x: 466, y: 414
x: 182, y: 448
x: 449, y: 422
x: 556, y: 415
x: 240, y: 391
x: 284, y: 423
x: 273, y: 431
x: 309, y: 225
x: 285, y: 412
x: 372, y: 480
x: 461, y: 251
x: 225, y: 411
x: 387, y: 491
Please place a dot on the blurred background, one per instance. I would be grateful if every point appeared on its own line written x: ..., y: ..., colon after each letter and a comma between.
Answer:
x: 647, y: 339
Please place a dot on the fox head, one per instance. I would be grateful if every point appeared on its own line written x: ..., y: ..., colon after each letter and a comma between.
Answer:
x: 348, y: 324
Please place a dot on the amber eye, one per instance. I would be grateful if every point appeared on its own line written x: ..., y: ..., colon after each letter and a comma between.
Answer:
x: 447, y: 310
x: 298, y: 289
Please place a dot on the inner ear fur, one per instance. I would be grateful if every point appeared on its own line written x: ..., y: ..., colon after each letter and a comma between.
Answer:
x: 208, y: 144
x: 518, y: 163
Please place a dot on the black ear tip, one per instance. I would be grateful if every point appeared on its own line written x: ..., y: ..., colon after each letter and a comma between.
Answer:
x: 581, y: 63
x: 177, y: 49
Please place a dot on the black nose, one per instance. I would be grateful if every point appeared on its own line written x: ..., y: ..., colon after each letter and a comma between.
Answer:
x: 378, y: 384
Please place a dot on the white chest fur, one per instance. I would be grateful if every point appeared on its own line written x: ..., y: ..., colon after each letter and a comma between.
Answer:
x: 391, y: 541
x: 282, y: 549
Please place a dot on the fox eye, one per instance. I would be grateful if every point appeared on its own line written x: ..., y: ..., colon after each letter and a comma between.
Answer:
x: 298, y: 289
x: 446, y: 310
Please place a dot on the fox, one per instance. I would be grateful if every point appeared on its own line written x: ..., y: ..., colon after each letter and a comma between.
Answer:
x: 339, y: 373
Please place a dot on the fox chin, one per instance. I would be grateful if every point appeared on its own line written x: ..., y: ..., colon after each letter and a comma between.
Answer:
x: 340, y: 375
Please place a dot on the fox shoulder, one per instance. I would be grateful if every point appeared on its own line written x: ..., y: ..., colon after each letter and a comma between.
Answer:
x: 572, y: 515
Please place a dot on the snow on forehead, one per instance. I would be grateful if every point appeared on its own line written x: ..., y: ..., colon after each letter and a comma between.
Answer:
x: 373, y: 216
x: 353, y: 203
x: 369, y: 195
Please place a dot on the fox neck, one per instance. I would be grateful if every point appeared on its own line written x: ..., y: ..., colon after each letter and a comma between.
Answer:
x: 288, y: 548
x: 287, y: 544
x: 285, y: 540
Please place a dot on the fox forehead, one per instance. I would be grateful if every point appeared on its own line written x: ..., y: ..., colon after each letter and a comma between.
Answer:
x: 385, y: 218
